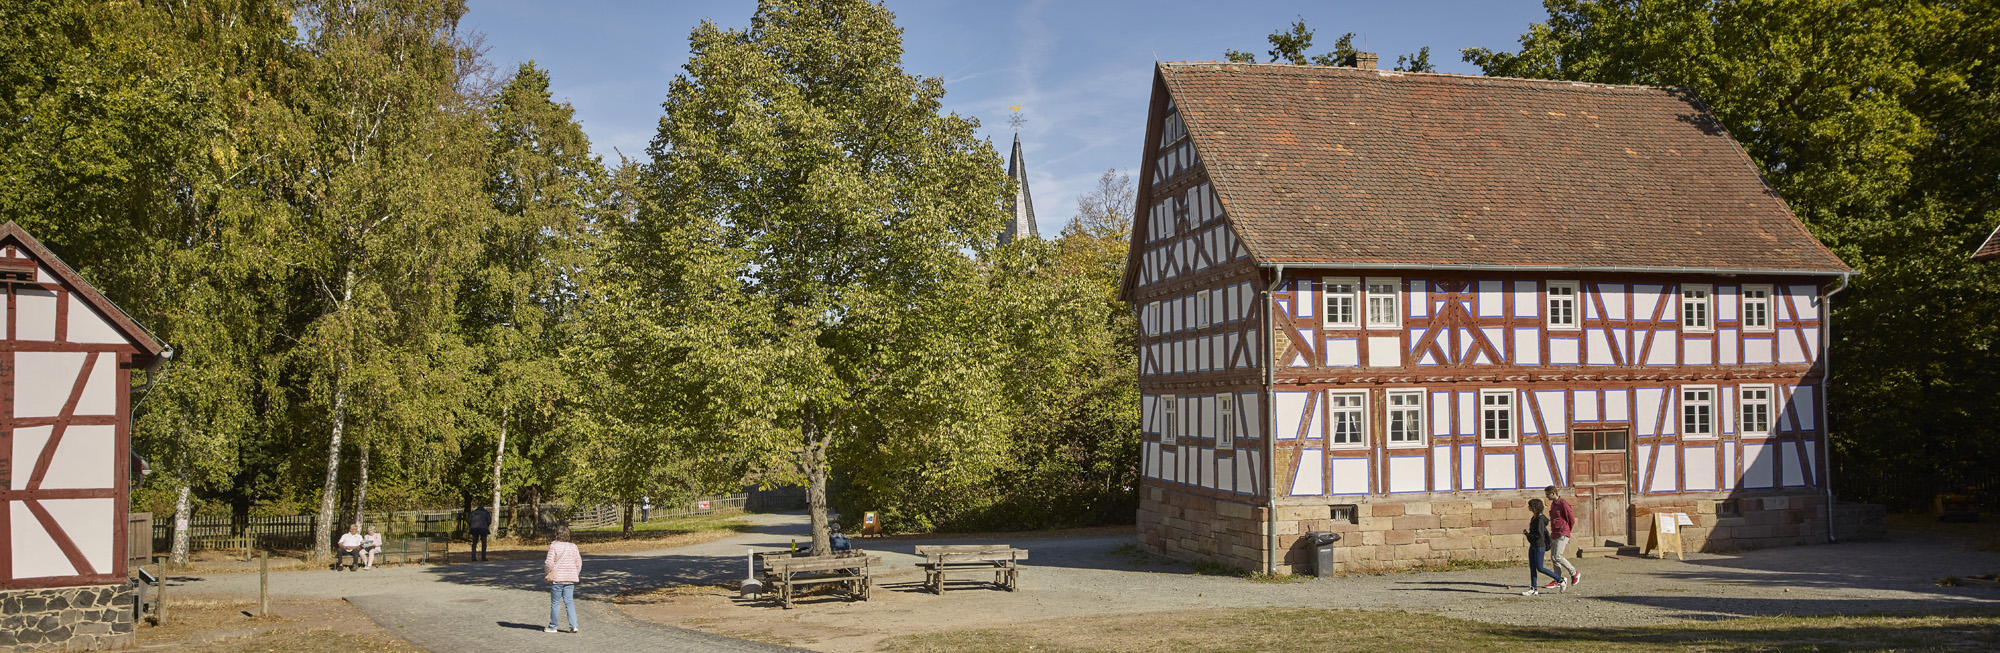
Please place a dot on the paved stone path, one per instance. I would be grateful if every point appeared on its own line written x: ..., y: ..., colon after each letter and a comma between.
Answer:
x: 502, y: 605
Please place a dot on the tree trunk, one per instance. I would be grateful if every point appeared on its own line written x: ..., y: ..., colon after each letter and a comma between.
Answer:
x: 361, y: 489
x: 499, y: 455
x: 628, y: 518
x: 813, y: 459
x: 535, y: 510
x: 323, y: 531
x: 183, y: 513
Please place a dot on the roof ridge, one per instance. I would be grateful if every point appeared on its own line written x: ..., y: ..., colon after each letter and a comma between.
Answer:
x: 1363, y: 72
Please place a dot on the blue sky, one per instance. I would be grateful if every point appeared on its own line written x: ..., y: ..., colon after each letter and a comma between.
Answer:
x: 1081, y: 70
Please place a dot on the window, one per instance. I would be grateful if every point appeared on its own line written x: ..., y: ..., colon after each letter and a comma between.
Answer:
x: 1756, y: 308
x: 1562, y: 305
x: 1406, y: 418
x: 1172, y: 427
x: 1694, y: 308
x: 1756, y: 403
x: 1599, y: 440
x: 1384, y: 304
x: 1201, y: 309
x: 1343, y: 514
x: 1344, y: 418
x: 1340, y: 303
x: 1496, y: 416
x: 1697, y: 412
x: 1225, y: 410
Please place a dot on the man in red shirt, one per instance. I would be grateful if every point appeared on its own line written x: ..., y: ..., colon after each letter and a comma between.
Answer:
x: 1561, y: 520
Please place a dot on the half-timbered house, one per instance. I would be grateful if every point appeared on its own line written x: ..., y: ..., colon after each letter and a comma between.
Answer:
x: 66, y: 361
x: 1398, y: 305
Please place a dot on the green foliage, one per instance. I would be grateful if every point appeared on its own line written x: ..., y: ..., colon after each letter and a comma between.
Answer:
x: 1879, y: 122
x: 1290, y: 45
x: 1416, y: 63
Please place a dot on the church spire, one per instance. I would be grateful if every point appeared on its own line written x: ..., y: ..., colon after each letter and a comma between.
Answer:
x: 1022, y: 204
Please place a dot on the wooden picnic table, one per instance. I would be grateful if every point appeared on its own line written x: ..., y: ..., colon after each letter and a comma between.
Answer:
x: 785, y: 573
x: 1002, y: 560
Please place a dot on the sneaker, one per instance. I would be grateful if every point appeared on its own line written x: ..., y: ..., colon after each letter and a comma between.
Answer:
x: 1531, y: 592
x: 1554, y: 584
x: 549, y: 629
x: 1576, y: 578
x: 1564, y: 589
x: 574, y: 630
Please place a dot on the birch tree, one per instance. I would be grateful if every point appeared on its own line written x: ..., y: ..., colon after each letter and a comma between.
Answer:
x: 387, y: 185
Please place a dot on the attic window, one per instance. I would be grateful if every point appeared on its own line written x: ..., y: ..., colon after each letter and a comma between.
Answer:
x: 17, y: 269
x: 1171, y: 129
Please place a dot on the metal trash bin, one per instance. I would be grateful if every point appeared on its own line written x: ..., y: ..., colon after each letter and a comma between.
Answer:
x: 1322, y: 545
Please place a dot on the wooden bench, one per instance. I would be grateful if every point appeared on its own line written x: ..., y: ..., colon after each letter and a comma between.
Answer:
x: 411, y: 549
x: 1002, y: 560
x: 784, y: 573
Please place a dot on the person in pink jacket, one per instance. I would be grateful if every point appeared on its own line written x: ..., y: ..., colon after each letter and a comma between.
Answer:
x: 561, y: 570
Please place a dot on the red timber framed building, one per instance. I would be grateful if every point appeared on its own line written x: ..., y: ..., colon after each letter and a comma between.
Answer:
x: 66, y: 361
x: 1398, y: 305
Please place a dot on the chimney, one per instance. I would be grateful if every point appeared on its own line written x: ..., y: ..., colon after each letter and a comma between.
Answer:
x: 1364, y: 60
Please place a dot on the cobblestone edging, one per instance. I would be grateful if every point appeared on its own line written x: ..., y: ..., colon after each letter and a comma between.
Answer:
x: 88, y: 618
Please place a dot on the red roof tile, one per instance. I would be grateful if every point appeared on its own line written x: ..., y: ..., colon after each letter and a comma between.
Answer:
x: 1991, y: 250
x: 1341, y: 165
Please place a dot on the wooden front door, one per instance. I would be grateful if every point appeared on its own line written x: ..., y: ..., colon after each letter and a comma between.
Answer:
x: 1600, y: 469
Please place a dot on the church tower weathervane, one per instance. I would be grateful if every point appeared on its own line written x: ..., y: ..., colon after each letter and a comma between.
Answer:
x: 1022, y: 204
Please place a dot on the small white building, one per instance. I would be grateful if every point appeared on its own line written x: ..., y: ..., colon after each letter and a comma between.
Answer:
x: 66, y: 364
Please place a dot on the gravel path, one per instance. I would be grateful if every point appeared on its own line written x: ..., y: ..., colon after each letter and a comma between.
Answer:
x: 501, y: 605
x: 1072, y: 577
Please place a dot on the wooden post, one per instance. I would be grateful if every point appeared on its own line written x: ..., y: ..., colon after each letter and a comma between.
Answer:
x: 160, y: 599
x: 263, y: 583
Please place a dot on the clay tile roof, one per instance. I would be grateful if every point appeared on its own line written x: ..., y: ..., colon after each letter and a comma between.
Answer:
x: 1341, y: 165
x: 1991, y: 250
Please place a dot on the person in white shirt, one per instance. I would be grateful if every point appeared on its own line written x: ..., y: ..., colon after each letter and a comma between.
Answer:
x: 370, y: 544
x: 350, y: 548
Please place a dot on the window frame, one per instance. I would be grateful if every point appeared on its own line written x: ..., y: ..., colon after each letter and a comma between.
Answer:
x: 1549, y: 308
x: 1225, y: 412
x: 1765, y: 304
x: 1394, y: 297
x: 1201, y: 309
x: 1390, y: 408
x: 1171, y: 427
x: 1353, y: 297
x: 1706, y: 304
x: 1708, y: 403
x: 1360, y: 411
x: 1743, y: 404
x: 1512, y: 424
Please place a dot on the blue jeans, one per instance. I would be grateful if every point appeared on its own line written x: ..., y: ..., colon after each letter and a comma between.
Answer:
x: 1535, y: 566
x: 562, y: 595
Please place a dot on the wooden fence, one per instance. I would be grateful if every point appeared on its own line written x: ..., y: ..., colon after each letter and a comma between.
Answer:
x: 296, y: 531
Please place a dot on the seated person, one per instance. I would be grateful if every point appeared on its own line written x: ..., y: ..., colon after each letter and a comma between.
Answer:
x: 370, y: 544
x: 350, y: 548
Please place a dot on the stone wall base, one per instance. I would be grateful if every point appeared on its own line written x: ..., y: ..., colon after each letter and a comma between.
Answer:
x: 87, y: 618
x: 1385, y: 533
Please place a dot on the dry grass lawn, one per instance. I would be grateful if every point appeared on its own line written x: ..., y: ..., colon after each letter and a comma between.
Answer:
x: 1294, y: 629
x: 299, y: 626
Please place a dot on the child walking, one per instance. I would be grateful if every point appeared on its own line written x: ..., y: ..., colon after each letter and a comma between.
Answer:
x: 1538, y: 545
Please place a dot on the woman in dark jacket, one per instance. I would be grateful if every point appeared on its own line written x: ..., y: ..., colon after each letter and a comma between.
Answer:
x: 1538, y: 545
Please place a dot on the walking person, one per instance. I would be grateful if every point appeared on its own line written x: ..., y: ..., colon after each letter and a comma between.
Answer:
x: 561, y: 570
x: 1561, y: 521
x: 370, y: 544
x: 479, y: 523
x: 1538, y: 543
